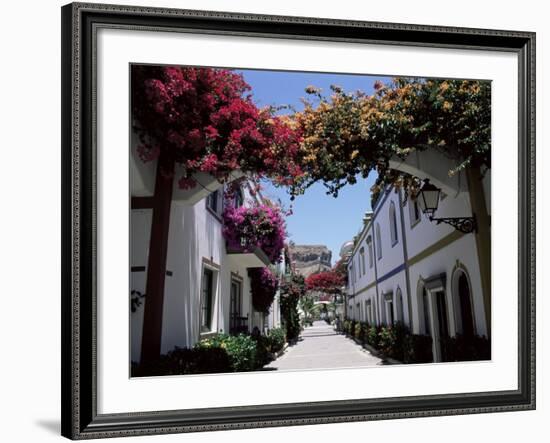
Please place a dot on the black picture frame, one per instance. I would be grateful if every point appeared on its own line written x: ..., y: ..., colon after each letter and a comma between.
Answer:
x: 79, y: 390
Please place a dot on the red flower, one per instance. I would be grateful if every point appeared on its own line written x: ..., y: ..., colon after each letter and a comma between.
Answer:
x: 187, y: 183
x: 205, y: 120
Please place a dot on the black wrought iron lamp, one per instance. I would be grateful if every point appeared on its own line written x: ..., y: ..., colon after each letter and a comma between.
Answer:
x: 428, y: 199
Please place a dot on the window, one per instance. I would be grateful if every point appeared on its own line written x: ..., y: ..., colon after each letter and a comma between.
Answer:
x: 426, y: 312
x: 369, y: 245
x: 399, y: 301
x: 239, y: 198
x: 441, y: 307
x: 389, y: 309
x: 393, y: 224
x: 362, y: 259
x: 207, y: 300
x: 214, y: 202
x: 378, y: 242
x: 235, y: 318
x: 466, y: 317
x: 369, y: 312
x: 414, y: 212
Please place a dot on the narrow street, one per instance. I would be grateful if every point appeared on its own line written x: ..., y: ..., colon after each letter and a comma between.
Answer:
x: 321, y: 347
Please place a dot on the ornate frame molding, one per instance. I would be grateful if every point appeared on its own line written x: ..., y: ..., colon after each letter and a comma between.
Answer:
x: 80, y: 22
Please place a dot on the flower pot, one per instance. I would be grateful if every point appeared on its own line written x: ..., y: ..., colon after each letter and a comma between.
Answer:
x: 249, y: 259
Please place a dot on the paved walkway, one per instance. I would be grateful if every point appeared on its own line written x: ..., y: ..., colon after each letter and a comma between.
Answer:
x: 320, y: 347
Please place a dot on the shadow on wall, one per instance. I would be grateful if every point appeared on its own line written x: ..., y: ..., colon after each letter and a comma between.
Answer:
x: 181, y: 295
x: 190, y: 292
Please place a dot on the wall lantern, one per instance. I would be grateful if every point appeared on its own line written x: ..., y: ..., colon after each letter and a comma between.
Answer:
x: 428, y: 200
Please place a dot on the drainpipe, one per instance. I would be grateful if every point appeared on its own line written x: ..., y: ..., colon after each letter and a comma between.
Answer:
x: 375, y: 259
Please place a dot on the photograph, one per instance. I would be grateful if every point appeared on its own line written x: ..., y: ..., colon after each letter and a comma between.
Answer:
x: 294, y: 220
x: 286, y: 220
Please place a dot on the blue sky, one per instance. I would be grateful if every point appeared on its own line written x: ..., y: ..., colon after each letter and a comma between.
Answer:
x: 317, y: 218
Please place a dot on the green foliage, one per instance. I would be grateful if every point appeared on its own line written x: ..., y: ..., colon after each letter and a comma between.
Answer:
x: 373, y: 336
x: 277, y: 339
x: 290, y: 293
x: 263, y: 350
x: 221, y: 353
x: 185, y: 361
x: 387, y: 340
x: 358, y: 330
x: 307, y: 305
x: 417, y: 349
x: 241, y: 350
x: 398, y: 343
x: 463, y: 348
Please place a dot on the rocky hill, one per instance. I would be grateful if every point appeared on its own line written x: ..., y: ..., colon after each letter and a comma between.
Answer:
x: 309, y: 259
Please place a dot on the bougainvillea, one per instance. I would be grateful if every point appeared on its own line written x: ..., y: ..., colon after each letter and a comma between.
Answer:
x: 329, y: 282
x: 351, y: 134
x: 291, y: 291
x: 262, y: 226
x: 263, y: 287
x: 204, y: 120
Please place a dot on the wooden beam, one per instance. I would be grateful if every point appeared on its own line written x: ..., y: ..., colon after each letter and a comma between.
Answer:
x: 142, y: 202
x: 483, y: 238
x: 156, y: 269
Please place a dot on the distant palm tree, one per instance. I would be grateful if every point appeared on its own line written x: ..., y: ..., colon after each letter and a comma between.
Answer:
x: 307, y: 305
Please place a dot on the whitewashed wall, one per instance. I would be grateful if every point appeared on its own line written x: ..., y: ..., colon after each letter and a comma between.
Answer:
x: 195, y: 241
x: 409, y: 252
x: 139, y: 252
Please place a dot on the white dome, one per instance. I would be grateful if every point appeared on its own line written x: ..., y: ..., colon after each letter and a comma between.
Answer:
x: 346, y: 248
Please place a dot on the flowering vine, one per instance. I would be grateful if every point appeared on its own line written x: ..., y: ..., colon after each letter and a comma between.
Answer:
x: 292, y: 290
x: 263, y: 287
x: 262, y: 226
x: 204, y: 120
x: 351, y: 134
x: 329, y: 282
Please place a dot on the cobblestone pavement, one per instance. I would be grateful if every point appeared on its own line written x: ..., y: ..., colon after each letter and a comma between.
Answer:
x: 321, y: 347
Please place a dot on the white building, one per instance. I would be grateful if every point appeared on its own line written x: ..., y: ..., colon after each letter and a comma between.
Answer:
x: 405, y: 268
x: 206, y: 287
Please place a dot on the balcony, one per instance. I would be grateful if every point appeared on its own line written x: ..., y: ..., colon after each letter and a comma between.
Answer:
x: 248, y: 257
x: 238, y: 324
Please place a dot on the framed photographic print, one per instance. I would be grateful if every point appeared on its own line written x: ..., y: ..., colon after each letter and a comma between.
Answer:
x: 273, y: 221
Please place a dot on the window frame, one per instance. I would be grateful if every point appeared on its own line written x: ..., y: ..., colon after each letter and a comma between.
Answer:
x: 414, y: 208
x: 371, y: 252
x: 207, y: 327
x: 394, y: 236
x: 217, y: 211
x: 378, y: 236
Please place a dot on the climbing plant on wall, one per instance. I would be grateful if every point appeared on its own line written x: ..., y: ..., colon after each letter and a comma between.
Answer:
x: 291, y: 291
x: 263, y: 287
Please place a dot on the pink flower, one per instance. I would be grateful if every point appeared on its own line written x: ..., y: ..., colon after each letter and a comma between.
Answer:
x: 210, y: 163
x: 187, y: 183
